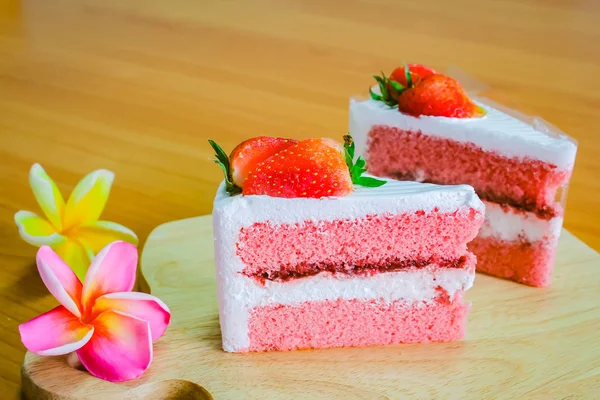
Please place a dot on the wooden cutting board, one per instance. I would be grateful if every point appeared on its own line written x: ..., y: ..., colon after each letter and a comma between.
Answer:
x: 522, y: 342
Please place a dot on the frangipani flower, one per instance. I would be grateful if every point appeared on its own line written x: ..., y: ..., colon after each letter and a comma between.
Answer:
x: 72, y: 229
x: 110, y: 327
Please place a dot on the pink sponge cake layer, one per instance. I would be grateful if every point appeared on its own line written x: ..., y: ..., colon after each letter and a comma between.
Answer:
x: 522, y: 170
x: 521, y: 261
x: 517, y: 245
x: 355, y: 244
x: 392, y: 261
x: 357, y: 322
x: 530, y: 185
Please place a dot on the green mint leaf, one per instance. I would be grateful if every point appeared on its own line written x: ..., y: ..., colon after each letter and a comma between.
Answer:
x: 367, y: 181
x: 223, y: 162
x: 359, y: 167
x: 360, y: 163
x: 351, y: 150
x: 349, y: 146
x: 348, y: 158
x: 355, y: 174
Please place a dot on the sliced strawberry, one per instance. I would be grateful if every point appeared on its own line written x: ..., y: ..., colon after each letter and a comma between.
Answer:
x: 247, y: 155
x: 310, y: 168
x: 438, y: 95
x: 417, y: 72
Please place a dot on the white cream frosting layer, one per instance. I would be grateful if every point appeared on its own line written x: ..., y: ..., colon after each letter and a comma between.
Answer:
x: 393, y: 197
x: 237, y: 294
x: 495, y: 132
x: 507, y: 223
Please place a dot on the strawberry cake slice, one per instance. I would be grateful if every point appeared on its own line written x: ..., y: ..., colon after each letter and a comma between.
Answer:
x: 312, y: 253
x: 420, y: 125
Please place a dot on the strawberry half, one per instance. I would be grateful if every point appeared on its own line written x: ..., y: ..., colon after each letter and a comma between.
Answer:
x: 310, y: 168
x: 247, y: 155
x: 438, y: 95
x: 417, y: 72
x: 400, y: 79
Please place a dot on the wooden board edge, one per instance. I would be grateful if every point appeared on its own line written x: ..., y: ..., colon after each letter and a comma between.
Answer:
x: 154, y: 234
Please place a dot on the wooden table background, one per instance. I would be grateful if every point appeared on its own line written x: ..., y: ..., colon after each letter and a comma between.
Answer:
x: 138, y: 86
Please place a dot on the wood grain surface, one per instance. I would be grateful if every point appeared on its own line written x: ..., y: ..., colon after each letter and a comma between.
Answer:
x: 138, y: 86
x: 521, y: 342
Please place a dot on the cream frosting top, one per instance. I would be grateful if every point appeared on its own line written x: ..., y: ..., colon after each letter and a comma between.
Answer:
x: 393, y: 197
x: 496, y: 131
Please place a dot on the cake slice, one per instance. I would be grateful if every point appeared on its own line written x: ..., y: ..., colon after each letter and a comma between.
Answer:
x: 375, y: 265
x: 430, y: 131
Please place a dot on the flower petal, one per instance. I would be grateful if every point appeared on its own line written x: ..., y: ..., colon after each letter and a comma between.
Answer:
x: 121, y: 348
x: 55, y: 333
x: 60, y: 279
x: 76, y: 255
x: 47, y: 195
x: 99, y: 234
x: 113, y: 270
x: 88, y: 198
x: 36, y: 230
x: 141, y: 305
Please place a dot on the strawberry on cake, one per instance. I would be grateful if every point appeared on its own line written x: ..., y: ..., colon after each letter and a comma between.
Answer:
x: 421, y: 125
x: 312, y: 253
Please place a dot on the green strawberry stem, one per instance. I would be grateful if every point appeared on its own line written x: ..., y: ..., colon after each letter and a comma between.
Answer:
x: 359, y: 167
x: 223, y: 162
x: 386, y: 85
x: 408, y: 75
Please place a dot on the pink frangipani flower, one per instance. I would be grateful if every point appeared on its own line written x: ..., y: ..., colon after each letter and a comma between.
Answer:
x: 110, y: 327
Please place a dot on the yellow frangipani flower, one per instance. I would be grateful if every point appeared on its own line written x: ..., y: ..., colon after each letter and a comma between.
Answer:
x: 72, y: 229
